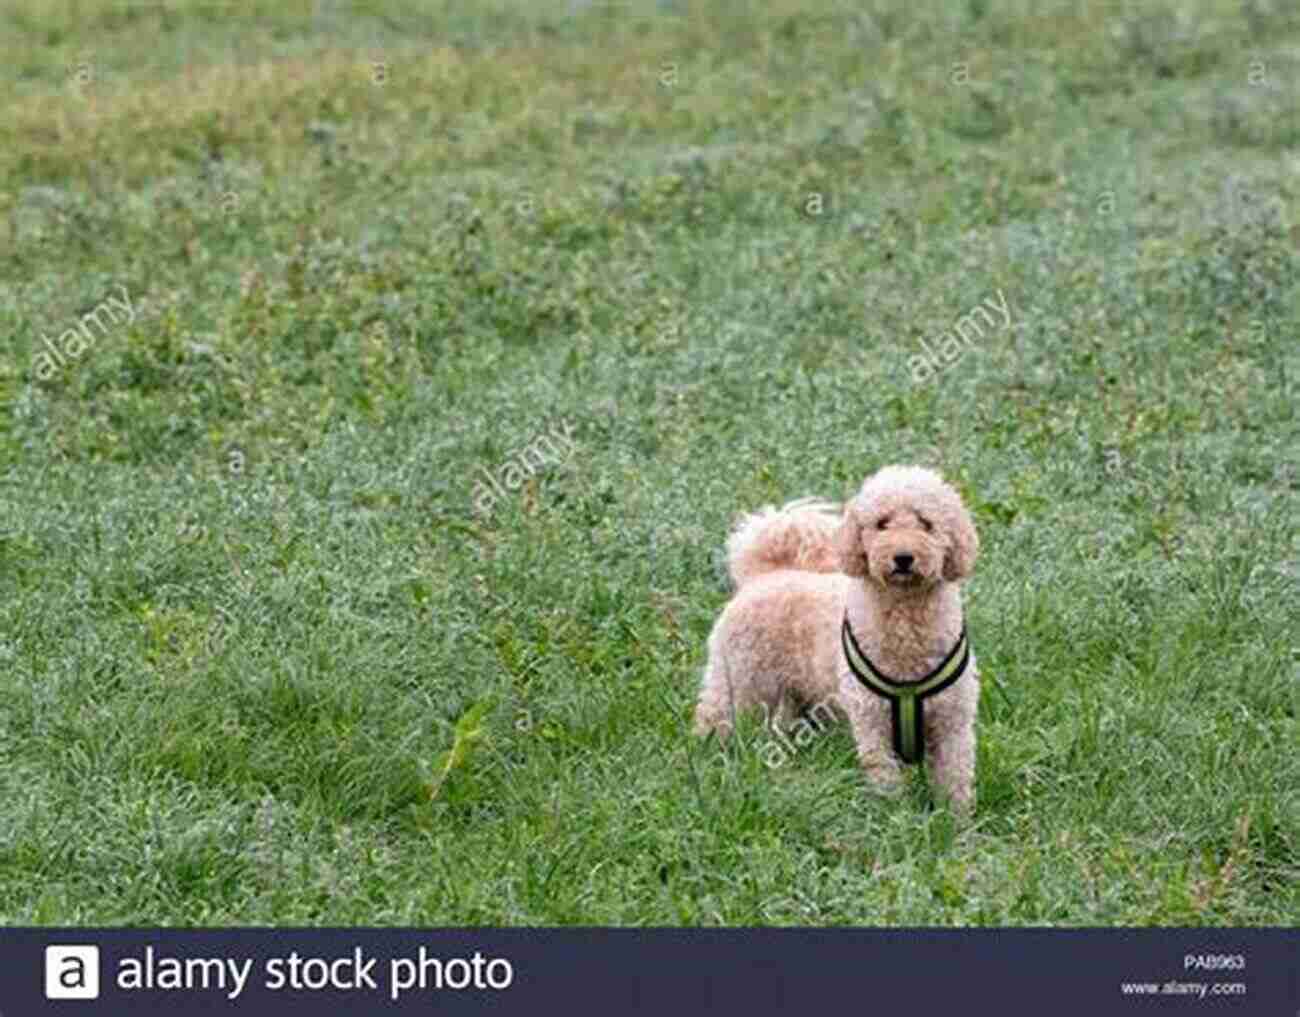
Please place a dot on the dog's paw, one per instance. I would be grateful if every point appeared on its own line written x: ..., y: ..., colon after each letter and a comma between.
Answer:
x: 961, y: 800
x: 886, y: 781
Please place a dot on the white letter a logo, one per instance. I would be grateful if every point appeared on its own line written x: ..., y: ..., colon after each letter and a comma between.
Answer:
x: 72, y: 972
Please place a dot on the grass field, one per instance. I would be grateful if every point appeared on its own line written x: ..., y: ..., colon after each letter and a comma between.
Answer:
x: 380, y: 380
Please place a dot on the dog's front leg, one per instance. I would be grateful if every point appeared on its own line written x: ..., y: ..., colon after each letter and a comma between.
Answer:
x: 871, y: 733
x: 952, y: 763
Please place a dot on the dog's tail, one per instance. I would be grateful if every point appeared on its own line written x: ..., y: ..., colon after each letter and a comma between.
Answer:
x: 799, y: 535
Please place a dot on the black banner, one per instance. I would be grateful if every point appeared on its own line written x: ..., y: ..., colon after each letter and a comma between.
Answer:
x: 614, y: 971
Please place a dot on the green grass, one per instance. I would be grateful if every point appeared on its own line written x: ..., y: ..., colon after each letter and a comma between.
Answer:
x: 261, y: 659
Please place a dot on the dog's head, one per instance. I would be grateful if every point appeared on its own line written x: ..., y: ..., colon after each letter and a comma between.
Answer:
x: 907, y: 530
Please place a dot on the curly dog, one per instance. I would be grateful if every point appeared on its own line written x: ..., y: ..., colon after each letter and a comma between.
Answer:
x: 861, y: 610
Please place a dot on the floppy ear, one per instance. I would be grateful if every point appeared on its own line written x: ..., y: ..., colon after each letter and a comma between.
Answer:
x: 848, y: 545
x: 963, y: 545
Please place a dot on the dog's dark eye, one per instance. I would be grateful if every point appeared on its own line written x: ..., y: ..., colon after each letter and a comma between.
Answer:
x: 926, y: 523
x: 880, y: 523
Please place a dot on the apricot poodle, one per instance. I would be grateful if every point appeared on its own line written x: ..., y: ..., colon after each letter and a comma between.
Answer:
x: 862, y: 610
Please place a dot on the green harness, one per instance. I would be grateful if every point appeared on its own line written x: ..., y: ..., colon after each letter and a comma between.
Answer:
x: 906, y: 699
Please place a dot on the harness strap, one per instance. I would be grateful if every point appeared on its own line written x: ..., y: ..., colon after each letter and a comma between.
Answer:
x: 906, y: 699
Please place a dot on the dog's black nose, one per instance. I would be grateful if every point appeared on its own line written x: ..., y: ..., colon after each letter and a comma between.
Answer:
x: 903, y: 562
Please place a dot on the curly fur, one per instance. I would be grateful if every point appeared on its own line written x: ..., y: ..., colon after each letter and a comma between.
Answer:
x: 893, y: 561
x: 799, y: 535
